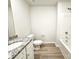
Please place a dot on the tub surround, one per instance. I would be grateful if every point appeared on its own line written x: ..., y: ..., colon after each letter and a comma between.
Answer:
x: 64, y: 27
x: 13, y: 53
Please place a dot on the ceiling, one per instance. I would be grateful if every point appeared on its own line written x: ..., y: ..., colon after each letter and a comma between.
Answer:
x: 41, y: 2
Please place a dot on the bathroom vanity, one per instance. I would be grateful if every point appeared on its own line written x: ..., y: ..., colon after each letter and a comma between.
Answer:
x: 24, y: 51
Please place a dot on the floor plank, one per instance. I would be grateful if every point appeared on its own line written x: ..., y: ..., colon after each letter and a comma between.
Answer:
x: 48, y: 51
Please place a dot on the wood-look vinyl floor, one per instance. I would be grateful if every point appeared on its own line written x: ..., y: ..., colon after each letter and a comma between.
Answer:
x: 48, y: 51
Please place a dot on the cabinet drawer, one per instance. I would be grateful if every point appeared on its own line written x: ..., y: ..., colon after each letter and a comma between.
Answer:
x: 21, y: 55
x: 30, y: 50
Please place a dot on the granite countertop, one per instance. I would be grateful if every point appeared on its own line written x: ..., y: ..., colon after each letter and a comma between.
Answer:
x: 13, y: 53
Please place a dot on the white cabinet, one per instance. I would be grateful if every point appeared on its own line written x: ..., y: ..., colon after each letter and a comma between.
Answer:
x: 27, y: 52
x: 30, y: 50
x: 21, y: 55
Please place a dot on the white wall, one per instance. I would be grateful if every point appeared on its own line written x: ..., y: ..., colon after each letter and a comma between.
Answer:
x: 11, y: 29
x: 64, y: 25
x: 21, y: 16
x: 43, y: 20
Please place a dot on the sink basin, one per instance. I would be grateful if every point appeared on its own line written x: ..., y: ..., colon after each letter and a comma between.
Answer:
x: 14, y: 45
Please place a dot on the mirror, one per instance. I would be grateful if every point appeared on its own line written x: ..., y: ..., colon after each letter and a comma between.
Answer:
x: 11, y: 28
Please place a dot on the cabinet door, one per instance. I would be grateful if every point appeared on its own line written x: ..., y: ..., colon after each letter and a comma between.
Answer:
x: 21, y: 55
x: 30, y: 50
